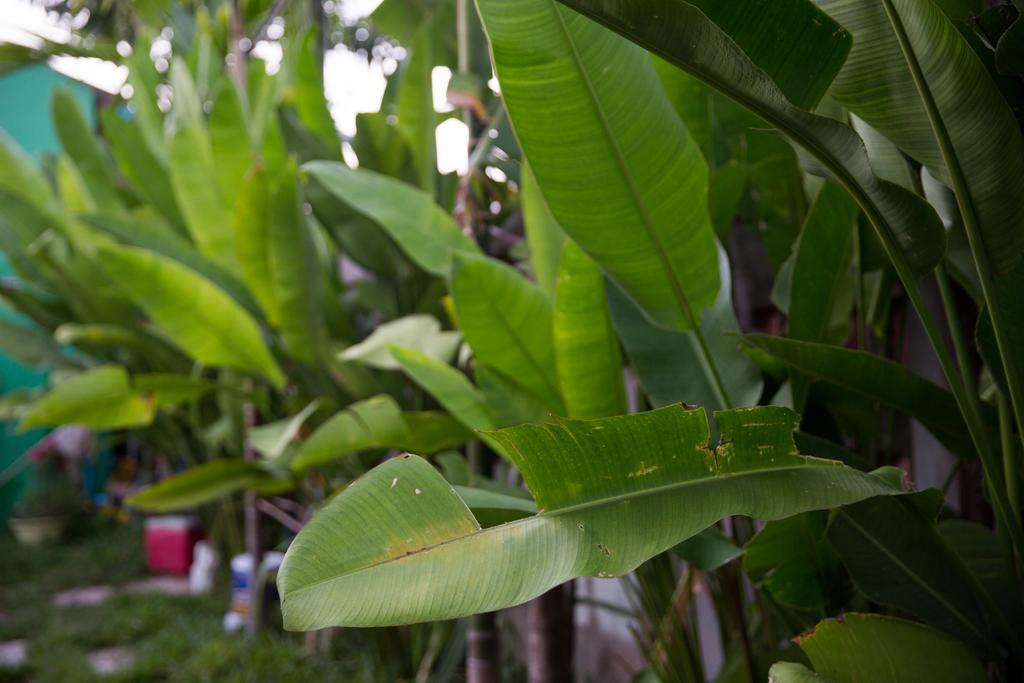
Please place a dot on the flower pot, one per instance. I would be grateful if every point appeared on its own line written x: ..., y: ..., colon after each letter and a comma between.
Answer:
x: 38, y: 530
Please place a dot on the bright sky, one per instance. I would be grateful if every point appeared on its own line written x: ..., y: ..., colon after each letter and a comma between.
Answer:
x: 351, y: 85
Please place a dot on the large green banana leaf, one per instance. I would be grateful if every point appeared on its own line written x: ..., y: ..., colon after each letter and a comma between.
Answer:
x: 357, y: 236
x: 986, y: 557
x: 74, y: 193
x: 400, y: 546
x: 424, y: 230
x: 414, y: 107
x: 170, y: 389
x: 803, y: 68
x: 587, y: 355
x: 229, y: 133
x: 106, y: 336
x: 875, y: 83
x: 101, y: 398
x: 821, y: 264
x: 667, y: 362
x: 20, y: 174
x: 914, y: 77
x: 617, y: 167
x: 147, y: 231
x: 193, y: 172
x: 187, y: 106
x: 544, y: 235
x: 79, y: 141
x: 880, y: 649
x: 507, y: 401
x: 203, y: 484
x: 273, y: 439
x: 252, y: 241
x: 896, y: 557
x: 147, y: 172
x: 448, y: 386
x: 196, y: 191
x: 144, y: 78
x: 983, y: 152
x: 195, y: 314
x: 878, y: 378
x: 294, y: 270
x: 378, y: 422
x: 888, y: 162
x: 507, y: 321
x: 791, y: 560
x: 32, y: 346
x: 308, y: 94
x: 421, y: 332
x: 683, y: 35
x: 821, y: 273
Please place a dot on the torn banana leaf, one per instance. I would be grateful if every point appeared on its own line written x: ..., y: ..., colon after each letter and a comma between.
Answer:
x: 401, y: 546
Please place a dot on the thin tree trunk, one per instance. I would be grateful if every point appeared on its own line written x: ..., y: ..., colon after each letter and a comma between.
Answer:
x: 551, y: 632
x: 252, y: 528
x: 237, y: 50
x: 482, y: 656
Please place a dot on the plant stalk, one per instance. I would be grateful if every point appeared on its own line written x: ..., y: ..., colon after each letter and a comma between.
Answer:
x: 252, y: 528
x: 956, y: 334
x: 859, y: 301
x: 1009, y: 455
x: 237, y: 32
x: 710, y: 368
x: 734, y: 577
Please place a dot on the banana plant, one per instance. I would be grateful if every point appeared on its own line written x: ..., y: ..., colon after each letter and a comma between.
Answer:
x: 176, y: 259
x: 575, y: 91
x: 569, y: 313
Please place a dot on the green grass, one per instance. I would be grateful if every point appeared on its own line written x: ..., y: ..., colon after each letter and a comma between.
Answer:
x: 175, y: 638
x: 94, y: 553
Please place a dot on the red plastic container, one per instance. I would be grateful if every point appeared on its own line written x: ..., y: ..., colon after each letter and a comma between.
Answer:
x: 169, y: 541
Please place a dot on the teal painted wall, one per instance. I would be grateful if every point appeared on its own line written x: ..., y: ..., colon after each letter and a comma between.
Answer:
x: 26, y: 119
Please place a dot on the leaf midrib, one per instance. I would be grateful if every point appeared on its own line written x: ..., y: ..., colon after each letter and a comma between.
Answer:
x: 810, y: 463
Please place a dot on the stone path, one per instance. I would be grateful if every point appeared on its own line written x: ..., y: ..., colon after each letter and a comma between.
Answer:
x: 90, y: 596
x: 168, y: 585
x: 111, y: 660
x: 87, y: 596
x: 14, y: 653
